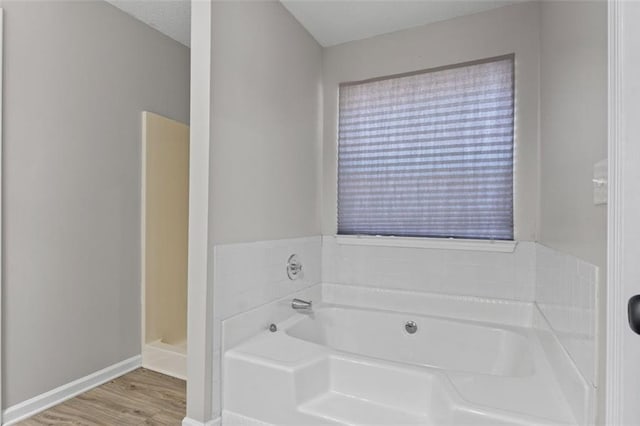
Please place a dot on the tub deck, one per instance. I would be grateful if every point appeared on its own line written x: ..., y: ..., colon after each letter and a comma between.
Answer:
x: 301, y: 375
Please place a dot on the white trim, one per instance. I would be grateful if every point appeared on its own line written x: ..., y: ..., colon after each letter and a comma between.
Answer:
x: 143, y: 232
x: 60, y: 394
x: 1, y: 219
x: 428, y: 243
x: 166, y: 359
x: 190, y: 422
x: 237, y: 419
x: 615, y: 324
x: 200, y: 297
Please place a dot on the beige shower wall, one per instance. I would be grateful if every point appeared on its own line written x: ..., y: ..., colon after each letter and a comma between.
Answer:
x: 166, y: 222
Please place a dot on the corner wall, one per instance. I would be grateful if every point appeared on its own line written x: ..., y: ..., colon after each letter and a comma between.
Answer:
x: 573, y: 136
x: 77, y: 76
x: 264, y: 186
x: 266, y: 124
x: 573, y: 126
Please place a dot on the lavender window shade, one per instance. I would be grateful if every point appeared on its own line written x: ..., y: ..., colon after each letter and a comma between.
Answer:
x: 429, y: 154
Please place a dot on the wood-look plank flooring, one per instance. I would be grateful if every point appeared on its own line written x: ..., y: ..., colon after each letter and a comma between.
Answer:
x: 142, y: 397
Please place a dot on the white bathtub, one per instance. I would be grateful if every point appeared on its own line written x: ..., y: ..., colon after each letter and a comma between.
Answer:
x: 438, y: 342
x: 357, y: 365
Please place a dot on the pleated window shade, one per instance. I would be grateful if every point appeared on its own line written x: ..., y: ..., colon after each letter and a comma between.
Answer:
x: 429, y: 154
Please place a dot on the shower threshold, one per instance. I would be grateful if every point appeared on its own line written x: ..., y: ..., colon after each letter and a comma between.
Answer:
x: 169, y: 359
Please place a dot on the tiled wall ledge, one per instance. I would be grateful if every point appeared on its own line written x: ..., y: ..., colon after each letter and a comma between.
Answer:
x: 499, y: 275
x: 428, y: 243
x: 509, y: 312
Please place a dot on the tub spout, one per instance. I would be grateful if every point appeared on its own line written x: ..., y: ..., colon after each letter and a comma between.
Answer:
x: 301, y: 305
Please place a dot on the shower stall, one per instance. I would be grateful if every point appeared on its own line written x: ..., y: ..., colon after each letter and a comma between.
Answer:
x: 165, y: 215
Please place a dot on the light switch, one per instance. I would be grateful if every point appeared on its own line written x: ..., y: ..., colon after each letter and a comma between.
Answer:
x: 600, y: 182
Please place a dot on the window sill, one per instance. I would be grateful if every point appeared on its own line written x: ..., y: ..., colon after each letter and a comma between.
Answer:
x: 429, y: 243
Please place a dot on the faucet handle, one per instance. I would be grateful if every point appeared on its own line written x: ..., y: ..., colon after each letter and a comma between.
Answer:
x: 294, y: 267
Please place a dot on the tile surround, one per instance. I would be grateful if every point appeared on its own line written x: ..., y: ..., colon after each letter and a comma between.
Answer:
x: 463, y: 273
x: 566, y: 289
x: 248, y: 275
x: 577, y: 391
x: 251, y: 275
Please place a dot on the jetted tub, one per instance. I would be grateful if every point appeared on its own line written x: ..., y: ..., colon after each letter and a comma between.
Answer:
x: 437, y: 342
x: 468, y: 362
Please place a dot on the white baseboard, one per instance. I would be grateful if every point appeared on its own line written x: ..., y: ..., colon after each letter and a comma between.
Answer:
x: 190, y: 422
x: 234, y: 419
x: 165, y: 359
x: 60, y: 394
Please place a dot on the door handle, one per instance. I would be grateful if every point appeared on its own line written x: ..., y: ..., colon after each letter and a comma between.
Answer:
x: 634, y: 313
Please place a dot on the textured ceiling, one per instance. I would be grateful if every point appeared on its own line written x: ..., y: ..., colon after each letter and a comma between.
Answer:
x: 171, y: 17
x: 333, y: 22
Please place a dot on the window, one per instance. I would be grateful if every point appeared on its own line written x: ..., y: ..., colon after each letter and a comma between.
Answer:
x: 429, y: 154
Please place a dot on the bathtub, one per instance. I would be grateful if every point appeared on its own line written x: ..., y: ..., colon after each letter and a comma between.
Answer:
x: 439, y: 343
x: 361, y: 365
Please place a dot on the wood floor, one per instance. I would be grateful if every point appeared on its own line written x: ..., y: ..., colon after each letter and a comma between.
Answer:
x: 142, y: 397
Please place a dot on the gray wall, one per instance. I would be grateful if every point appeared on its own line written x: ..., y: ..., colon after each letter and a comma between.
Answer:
x: 265, y: 123
x: 264, y: 146
x: 573, y: 126
x: 573, y: 132
x: 77, y: 76
x: 510, y: 29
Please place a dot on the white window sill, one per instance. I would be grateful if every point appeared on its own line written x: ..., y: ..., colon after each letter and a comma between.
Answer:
x: 429, y: 243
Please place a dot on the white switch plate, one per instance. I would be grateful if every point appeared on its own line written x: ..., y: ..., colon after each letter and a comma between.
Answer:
x: 600, y: 182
